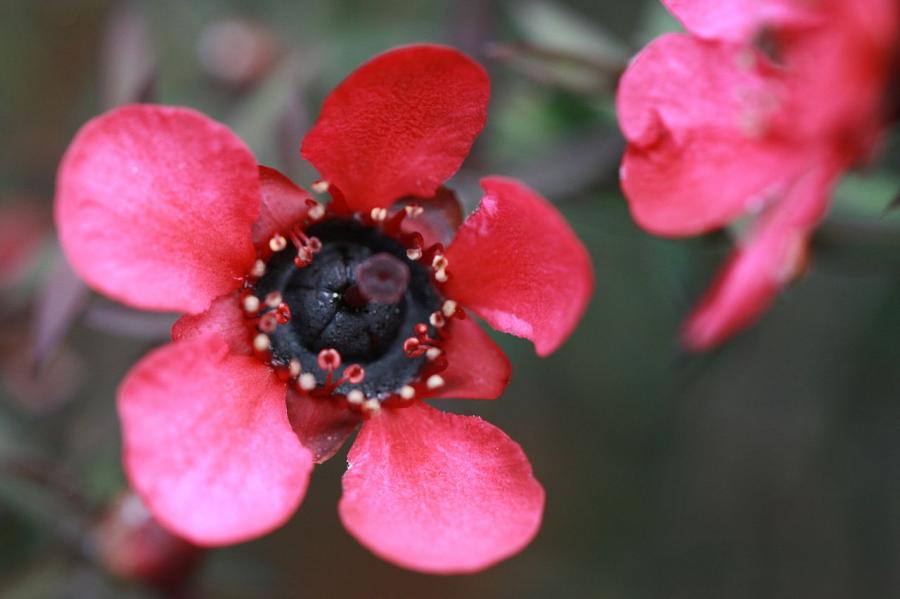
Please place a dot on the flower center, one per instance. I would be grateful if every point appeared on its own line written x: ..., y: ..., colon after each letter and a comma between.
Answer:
x: 354, y: 301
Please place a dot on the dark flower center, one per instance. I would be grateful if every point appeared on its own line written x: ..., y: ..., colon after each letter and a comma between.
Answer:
x: 355, y: 302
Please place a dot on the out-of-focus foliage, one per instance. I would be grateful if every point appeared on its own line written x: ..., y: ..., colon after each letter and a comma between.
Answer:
x: 765, y: 469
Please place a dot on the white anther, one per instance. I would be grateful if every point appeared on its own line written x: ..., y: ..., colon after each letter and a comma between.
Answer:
x: 356, y: 397
x: 433, y: 353
x: 320, y: 186
x: 294, y: 368
x: 277, y: 243
x: 261, y: 342
x: 439, y: 262
x: 449, y: 308
x: 258, y: 270
x: 437, y: 319
x: 378, y: 214
x: 371, y: 406
x: 440, y: 275
x: 251, y: 304
x: 434, y: 381
x: 273, y: 299
x: 413, y: 210
x: 414, y: 253
x: 316, y: 212
x: 407, y: 392
x: 307, y: 381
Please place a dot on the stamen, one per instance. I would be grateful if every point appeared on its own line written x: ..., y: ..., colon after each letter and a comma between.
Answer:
x: 258, y: 270
x: 356, y: 397
x: 320, y: 186
x: 294, y: 368
x: 413, y: 210
x: 437, y: 319
x: 433, y: 353
x: 307, y: 381
x: 316, y: 212
x: 440, y: 275
x: 439, y: 262
x: 435, y: 381
x: 411, y: 347
x: 251, y: 304
x: 261, y: 342
x: 407, y: 392
x: 378, y: 214
x: 304, y: 257
x: 371, y: 406
x: 329, y: 359
x: 277, y: 243
x: 449, y: 308
x: 283, y: 313
x: 354, y: 374
x: 414, y: 253
x: 274, y: 299
x: 268, y: 323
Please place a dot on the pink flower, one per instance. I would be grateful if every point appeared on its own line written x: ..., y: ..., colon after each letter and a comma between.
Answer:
x: 757, y: 111
x: 304, y: 321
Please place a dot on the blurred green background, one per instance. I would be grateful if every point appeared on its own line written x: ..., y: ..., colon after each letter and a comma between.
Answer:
x: 767, y: 468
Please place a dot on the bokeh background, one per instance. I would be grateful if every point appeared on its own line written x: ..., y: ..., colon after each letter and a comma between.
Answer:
x: 767, y: 468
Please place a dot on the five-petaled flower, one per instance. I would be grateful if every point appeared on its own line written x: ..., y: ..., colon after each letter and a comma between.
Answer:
x: 305, y: 320
x: 757, y: 111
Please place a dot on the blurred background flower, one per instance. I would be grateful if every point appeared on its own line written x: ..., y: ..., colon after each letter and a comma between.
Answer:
x: 766, y: 468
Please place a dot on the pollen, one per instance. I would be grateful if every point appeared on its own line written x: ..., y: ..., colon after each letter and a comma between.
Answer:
x: 356, y: 397
x: 439, y: 262
x: 277, y: 243
x: 371, y: 406
x: 261, y: 342
x: 449, y: 308
x: 407, y: 392
x: 320, y: 186
x: 274, y: 299
x: 307, y: 381
x: 316, y: 211
x: 435, y: 381
x: 251, y: 304
x: 378, y: 214
x: 258, y: 270
x: 294, y: 368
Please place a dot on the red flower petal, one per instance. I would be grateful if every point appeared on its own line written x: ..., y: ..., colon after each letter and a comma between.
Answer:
x: 283, y: 204
x: 321, y: 424
x: 774, y: 254
x: 440, y: 218
x: 207, y: 442
x: 399, y: 125
x: 518, y: 265
x: 224, y: 318
x: 154, y: 207
x: 704, y: 183
x: 679, y: 84
x: 477, y: 368
x: 737, y: 20
x: 438, y: 492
